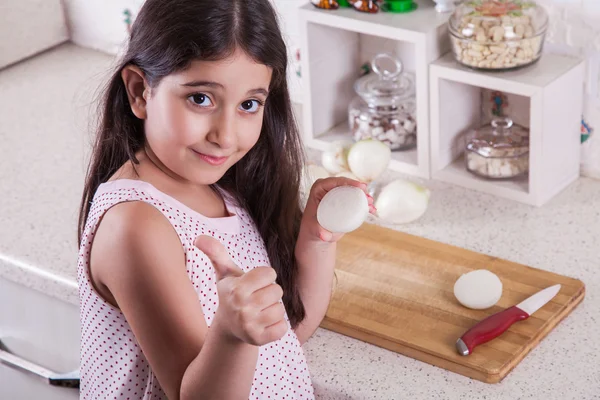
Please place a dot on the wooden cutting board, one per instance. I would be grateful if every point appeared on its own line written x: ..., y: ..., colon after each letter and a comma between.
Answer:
x: 395, y: 291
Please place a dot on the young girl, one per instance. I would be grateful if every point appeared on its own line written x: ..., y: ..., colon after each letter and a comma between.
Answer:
x: 199, y: 276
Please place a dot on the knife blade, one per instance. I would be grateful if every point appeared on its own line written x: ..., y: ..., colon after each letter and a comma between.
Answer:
x: 496, y: 324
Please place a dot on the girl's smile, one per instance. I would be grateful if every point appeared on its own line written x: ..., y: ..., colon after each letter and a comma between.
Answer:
x: 212, y: 160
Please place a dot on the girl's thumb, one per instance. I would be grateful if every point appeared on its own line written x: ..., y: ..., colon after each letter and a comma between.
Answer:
x: 217, y: 254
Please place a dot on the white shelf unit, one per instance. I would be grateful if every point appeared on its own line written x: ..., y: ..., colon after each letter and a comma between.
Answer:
x: 550, y: 96
x: 335, y: 43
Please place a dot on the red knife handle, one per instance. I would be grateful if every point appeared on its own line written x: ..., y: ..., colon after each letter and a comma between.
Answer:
x: 488, y: 329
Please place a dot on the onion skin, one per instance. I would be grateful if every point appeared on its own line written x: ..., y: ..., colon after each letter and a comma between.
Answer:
x: 335, y: 160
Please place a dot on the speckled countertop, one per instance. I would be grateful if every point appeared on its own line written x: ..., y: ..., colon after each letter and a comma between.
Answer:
x: 41, y: 175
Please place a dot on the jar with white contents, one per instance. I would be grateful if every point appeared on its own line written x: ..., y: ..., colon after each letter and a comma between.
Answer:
x: 498, y: 34
x: 499, y: 150
x: 385, y: 109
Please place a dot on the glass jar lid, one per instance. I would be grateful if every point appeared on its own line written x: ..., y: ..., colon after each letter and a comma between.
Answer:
x: 501, y: 138
x: 498, y: 20
x: 388, y: 86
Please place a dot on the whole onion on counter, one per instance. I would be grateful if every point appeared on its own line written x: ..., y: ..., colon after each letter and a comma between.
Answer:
x: 401, y: 202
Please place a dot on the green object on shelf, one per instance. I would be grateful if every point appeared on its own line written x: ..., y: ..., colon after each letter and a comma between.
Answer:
x: 365, y: 69
x: 343, y: 3
x: 399, y: 6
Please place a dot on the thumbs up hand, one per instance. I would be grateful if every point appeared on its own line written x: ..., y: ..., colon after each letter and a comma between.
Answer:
x: 249, y: 303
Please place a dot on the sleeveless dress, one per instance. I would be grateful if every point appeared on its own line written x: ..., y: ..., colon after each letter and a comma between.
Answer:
x: 113, y: 365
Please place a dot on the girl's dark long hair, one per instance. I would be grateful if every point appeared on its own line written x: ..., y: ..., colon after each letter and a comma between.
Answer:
x: 165, y: 38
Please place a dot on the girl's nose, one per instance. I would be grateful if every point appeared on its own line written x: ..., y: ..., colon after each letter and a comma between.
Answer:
x: 224, y: 132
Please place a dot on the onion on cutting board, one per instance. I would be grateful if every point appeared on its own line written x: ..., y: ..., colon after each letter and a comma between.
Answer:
x: 479, y: 289
x: 343, y: 209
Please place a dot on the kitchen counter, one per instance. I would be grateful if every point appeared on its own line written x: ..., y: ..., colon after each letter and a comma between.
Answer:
x: 45, y: 108
x: 560, y: 237
x: 44, y: 104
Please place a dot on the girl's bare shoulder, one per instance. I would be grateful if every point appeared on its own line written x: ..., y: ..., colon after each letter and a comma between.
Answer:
x: 133, y: 238
x: 137, y: 263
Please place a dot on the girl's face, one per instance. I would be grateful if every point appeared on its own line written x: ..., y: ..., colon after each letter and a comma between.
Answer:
x: 201, y: 121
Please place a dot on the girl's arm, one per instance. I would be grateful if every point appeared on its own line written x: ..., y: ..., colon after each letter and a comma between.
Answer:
x: 137, y: 263
x: 315, y: 253
x: 316, y: 262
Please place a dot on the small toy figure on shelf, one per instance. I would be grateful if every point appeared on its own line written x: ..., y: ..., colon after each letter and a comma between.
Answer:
x: 368, y: 6
x: 586, y: 130
x: 326, y: 4
x: 499, y: 103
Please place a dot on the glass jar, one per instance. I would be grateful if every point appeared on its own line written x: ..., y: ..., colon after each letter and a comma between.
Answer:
x: 498, y: 34
x: 385, y: 108
x: 499, y: 150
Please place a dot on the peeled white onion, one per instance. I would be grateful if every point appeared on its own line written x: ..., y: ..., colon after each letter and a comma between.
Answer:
x: 368, y: 159
x: 401, y: 202
x: 343, y: 209
x: 479, y: 289
x: 346, y: 174
x: 335, y: 159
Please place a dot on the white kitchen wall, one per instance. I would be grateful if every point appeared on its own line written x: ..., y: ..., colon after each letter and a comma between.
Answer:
x: 99, y: 24
x: 574, y: 29
x: 289, y: 23
x: 29, y: 27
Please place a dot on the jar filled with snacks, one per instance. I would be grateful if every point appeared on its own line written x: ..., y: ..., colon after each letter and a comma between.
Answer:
x: 498, y: 34
x: 386, y: 108
x: 499, y: 150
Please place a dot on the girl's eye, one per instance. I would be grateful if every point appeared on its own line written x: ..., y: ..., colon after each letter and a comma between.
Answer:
x: 200, y: 100
x: 251, y: 106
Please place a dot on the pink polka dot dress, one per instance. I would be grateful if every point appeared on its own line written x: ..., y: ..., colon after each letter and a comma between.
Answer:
x: 113, y: 365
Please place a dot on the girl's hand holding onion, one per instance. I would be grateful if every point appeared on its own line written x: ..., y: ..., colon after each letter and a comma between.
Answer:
x: 347, y: 204
x: 337, y: 205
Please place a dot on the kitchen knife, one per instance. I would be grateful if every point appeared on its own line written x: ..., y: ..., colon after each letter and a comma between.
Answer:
x: 494, y: 325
